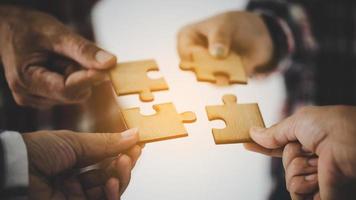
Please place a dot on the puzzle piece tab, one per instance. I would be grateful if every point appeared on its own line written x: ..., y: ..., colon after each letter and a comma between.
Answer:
x: 221, y: 71
x: 165, y: 124
x: 131, y: 78
x: 239, y: 118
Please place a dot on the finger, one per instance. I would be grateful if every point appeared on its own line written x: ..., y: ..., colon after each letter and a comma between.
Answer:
x: 96, y: 193
x: 123, y: 167
x: 295, y: 196
x: 276, y: 136
x: 259, y: 149
x: 189, y: 39
x: 294, y: 150
x: 317, y: 196
x: 73, y: 188
x: 94, y: 147
x: 78, y: 86
x: 303, y: 185
x: 51, y: 85
x: 112, y: 189
x: 134, y: 153
x: 85, y: 79
x: 43, y: 82
x: 86, y: 53
x: 219, y: 42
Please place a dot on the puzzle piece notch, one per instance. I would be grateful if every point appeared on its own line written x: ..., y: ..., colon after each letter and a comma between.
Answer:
x: 166, y: 123
x: 219, y: 71
x: 239, y: 118
x: 131, y: 78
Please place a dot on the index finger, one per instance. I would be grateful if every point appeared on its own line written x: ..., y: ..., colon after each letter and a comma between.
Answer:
x: 80, y: 82
x: 189, y: 39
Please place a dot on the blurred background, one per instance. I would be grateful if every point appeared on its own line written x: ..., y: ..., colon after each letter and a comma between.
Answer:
x: 192, y: 167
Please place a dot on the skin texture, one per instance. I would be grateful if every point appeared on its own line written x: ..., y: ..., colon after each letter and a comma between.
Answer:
x: 317, y: 145
x: 241, y: 32
x: 45, y: 63
x: 56, y: 156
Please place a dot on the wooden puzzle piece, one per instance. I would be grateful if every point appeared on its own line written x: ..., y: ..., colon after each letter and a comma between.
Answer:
x: 165, y: 124
x: 239, y: 118
x: 131, y: 78
x: 221, y: 71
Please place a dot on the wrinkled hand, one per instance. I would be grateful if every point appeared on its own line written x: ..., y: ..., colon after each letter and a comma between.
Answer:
x: 319, y: 151
x: 56, y: 156
x: 45, y: 62
x: 241, y: 32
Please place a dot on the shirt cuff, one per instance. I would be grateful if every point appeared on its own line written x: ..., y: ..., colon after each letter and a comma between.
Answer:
x: 16, y: 175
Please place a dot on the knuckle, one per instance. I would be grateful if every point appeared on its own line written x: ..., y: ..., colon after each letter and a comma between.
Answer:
x: 296, y: 166
x: 15, y: 85
x: 292, y: 185
x: 20, y: 100
x: 287, y: 152
x: 86, y: 47
x: 185, y: 31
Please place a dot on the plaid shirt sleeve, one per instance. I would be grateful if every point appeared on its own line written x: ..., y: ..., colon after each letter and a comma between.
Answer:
x: 289, y: 28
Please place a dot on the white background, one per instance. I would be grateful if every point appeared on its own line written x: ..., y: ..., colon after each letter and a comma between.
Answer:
x: 191, y: 168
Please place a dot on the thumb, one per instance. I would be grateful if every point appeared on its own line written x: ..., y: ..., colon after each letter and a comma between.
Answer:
x: 84, y: 52
x: 219, y: 43
x: 276, y: 136
x: 94, y: 147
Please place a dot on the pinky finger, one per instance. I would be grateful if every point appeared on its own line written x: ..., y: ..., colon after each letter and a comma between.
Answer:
x: 112, y: 189
x: 317, y: 196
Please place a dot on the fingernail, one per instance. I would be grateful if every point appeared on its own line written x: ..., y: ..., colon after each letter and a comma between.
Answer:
x: 313, y: 162
x: 103, y: 57
x: 129, y: 133
x: 311, y: 177
x: 218, y: 50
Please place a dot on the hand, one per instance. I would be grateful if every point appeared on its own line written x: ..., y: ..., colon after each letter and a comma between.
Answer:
x: 241, y: 32
x: 319, y: 153
x: 45, y: 63
x: 56, y: 156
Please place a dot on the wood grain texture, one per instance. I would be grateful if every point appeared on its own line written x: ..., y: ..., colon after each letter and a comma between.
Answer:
x: 239, y: 118
x: 220, y: 71
x: 165, y: 124
x: 131, y: 78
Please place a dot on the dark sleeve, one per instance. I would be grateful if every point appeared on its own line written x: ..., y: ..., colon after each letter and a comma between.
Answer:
x: 2, y: 171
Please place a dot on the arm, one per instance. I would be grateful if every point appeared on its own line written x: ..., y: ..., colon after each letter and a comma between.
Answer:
x: 260, y: 36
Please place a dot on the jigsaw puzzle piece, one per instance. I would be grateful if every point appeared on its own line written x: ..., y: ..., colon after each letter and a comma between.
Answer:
x: 239, y: 118
x: 166, y: 123
x: 221, y: 71
x: 131, y: 78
